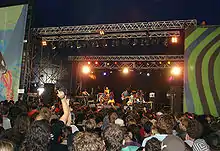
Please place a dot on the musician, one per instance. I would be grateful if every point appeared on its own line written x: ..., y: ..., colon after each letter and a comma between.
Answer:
x: 125, y: 96
x: 140, y: 97
x: 111, y: 98
x: 104, y: 97
x: 106, y: 91
x: 85, y: 93
x: 132, y: 98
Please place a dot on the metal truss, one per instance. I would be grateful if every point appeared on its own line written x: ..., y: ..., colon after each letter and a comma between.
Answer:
x: 127, y: 58
x: 117, y: 28
x: 46, y: 72
x: 112, y: 36
x: 133, y: 65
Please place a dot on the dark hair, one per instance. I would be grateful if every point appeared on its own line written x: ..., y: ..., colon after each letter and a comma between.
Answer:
x: 165, y: 124
x: 38, y: 137
x: 1, y: 118
x: 148, y: 127
x: 21, y: 126
x: 135, y: 130
x: 153, y: 145
x: 5, y: 110
x: 194, y: 129
x: 85, y: 141
x: 213, y: 140
x: 113, y: 136
x: 90, y: 125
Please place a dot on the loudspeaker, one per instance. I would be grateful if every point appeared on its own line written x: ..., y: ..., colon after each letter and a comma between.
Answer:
x: 177, y: 99
x: 49, y: 94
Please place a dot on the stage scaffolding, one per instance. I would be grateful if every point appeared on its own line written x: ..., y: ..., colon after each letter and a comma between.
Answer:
x: 156, y: 29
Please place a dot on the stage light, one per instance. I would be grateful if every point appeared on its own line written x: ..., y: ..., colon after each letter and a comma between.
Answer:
x: 168, y: 62
x: 148, y: 74
x: 40, y: 91
x: 102, y: 32
x: 174, y: 40
x: 125, y: 70
x: 116, y: 63
x: 104, y: 73
x: 44, y: 43
x: 160, y: 62
x: 140, y: 72
x: 86, y: 69
x: 108, y: 64
x: 110, y: 71
x: 176, y: 71
x: 89, y: 62
x: 96, y: 62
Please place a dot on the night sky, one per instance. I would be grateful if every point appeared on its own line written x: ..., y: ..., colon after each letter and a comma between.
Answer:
x: 77, y: 12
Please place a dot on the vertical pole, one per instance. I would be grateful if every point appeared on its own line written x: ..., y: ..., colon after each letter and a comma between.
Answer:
x: 71, y: 78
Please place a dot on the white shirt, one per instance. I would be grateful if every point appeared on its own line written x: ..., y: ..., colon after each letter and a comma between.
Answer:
x: 6, y: 123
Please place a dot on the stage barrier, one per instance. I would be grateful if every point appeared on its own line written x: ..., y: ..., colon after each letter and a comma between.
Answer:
x: 202, y: 70
x: 12, y: 30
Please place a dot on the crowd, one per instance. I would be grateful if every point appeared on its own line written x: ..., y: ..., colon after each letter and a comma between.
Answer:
x: 65, y: 126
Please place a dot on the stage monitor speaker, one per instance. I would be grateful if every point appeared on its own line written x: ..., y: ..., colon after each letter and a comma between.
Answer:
x: 49, y: 94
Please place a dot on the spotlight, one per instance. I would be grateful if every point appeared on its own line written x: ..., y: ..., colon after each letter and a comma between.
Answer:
x: 116, y: 62
x: 125, y: 70
x: 174, y: 40
x: 44, y: 43
x: 86, y: 69
x: 108, y: 64
x: 104, y: 73
x: 110, y: 71
x: 176, y: 71
x: 148, y: 74
x: 168, y: 62
x: 102, y: 32
x: 40, y: 91
x: 96, y: 62
x: 89, y: 62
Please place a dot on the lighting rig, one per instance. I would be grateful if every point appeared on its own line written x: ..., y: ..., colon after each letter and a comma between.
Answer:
x: 143, y: 33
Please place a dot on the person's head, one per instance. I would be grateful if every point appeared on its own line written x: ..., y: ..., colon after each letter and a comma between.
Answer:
x: 113, y: 136
x: 38, y: 137
x: 112, y: 117
x: 135, y: 130
x: 44, y: 113
x: 5, y: 110
x: 148, y: 127
x: 22, y: 124
x: 183, y: 124
x: 6, y: 146
x: 194, y: 130
x: 85, y: 141
x: 90, y: 125
x: 153, y: 145
x: 213, y: 140
x: 165, y: 124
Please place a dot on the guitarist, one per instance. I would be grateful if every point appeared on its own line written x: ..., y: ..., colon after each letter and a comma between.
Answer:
x: 125, y: 96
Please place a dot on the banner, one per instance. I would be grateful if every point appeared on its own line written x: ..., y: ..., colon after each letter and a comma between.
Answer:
x: 12, y: 30
x: 202, y: 71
